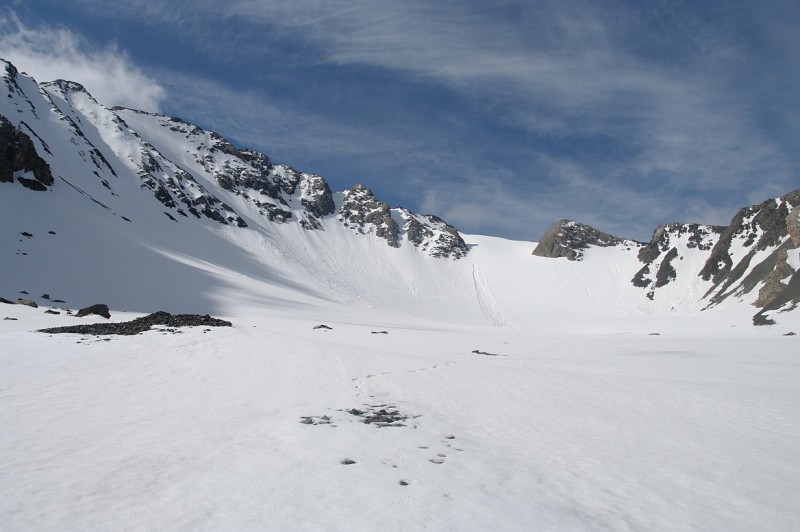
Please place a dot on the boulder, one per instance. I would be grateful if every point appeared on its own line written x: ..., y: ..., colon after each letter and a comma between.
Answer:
x: 99, y: 309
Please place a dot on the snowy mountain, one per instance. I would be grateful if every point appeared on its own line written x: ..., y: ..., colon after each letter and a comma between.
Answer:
x: 378, y: 370
x: 146, y: 211
x: 758, y: 253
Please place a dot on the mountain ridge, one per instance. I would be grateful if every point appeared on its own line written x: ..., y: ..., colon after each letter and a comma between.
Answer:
x: 186, y: 200
x: 751, y: 252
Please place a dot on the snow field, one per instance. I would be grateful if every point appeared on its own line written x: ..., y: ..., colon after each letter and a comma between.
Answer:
x: 202, y: 430
x: 577, y: 416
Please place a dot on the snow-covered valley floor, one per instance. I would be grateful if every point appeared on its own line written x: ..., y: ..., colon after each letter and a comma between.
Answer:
x: 201, y: 430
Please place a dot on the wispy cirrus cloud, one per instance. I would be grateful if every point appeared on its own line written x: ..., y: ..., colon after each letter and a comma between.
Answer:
x: 52, y: 52
x: 565, y: 69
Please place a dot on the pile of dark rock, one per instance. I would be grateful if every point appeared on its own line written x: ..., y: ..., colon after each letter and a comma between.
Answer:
x: 142, y: 324
x: 381, y: 416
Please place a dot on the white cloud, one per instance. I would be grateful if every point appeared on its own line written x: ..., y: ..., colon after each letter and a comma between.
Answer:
x: 48, y: 53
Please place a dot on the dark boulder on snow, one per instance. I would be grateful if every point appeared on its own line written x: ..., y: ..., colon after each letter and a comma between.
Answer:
x: 142, y: 324
x: 567, y: 238
x: 98, y: 309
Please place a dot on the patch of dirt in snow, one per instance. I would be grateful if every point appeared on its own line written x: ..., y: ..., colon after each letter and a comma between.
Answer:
x: 383, y: 416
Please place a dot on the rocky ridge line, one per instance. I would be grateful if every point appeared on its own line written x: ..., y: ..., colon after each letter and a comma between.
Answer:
x: 193, y: 173
x: 753, y: 251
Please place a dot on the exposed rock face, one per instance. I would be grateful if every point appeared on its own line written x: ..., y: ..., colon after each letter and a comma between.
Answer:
x: 362, y: 211
x: 316, y: 198
x: 753, y: 252
x: 432, y: 234
x: 759, y: 250
x: 757, y: 227
x: 18, y: 154
x: 671, y: 243
x: 773, y: 282
x: 793, y: 225
x: 567, y: 238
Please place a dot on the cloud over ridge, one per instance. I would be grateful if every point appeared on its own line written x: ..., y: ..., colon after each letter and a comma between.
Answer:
x: 53, y: 52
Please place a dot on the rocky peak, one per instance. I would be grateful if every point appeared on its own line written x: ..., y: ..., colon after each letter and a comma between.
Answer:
x: 568, y: 238
x: 756, y: 228
x: 66, y: 88
x: 18, y: 155
x: 432, y: 234
x: 16, y: 96
x: 10, y: 72
x: 316, y: 198
x: 753, y: 252
x: 361, y: 210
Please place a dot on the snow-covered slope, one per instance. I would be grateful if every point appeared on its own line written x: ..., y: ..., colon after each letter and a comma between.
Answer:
x: 145, y: 212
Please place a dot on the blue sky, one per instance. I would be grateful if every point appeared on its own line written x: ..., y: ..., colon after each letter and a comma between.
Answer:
x: 500, y: 117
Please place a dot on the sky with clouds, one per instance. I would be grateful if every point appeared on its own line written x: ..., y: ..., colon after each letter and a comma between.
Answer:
x: 500, y: 117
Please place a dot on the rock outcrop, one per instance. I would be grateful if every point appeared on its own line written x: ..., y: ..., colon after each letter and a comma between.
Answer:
x: 568, y: 238
x: 670, y: 244
x: 753, y: 252
x: 361, y: 211
x: 433, y: 235
x: 364, y: 213
x: 19, y: 158
x: 756, y: 256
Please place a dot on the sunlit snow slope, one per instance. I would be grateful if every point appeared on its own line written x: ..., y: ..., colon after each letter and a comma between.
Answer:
x: 146, y: 212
